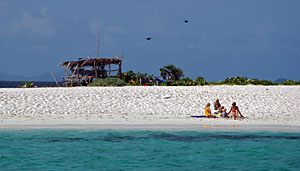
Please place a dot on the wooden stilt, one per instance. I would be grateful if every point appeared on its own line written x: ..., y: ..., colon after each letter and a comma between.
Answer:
x: 109, y: 70
x: 96, y: 74
x: 120, y: 70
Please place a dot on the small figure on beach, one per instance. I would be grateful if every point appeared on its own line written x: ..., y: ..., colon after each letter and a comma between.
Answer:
x: 220, y: 109
x: 235, y: 111
x: 217, y: 105
x: 224, y: 114
x: 208, y: 112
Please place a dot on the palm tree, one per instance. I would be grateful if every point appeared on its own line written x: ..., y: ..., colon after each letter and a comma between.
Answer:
x: 171, y: 72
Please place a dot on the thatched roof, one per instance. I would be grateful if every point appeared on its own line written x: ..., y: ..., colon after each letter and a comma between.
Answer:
x: 91, y: 62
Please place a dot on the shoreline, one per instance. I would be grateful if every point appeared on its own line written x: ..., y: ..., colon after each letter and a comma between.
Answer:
x: 205, y: 124
x: 158, y: 127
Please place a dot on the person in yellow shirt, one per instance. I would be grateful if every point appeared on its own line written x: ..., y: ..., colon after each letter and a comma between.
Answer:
x: 207, y: 111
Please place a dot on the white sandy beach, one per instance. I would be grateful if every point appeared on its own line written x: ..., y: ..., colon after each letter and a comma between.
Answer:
x: 148, y: 107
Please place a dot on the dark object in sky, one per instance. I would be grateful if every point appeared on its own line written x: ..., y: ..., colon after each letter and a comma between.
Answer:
x: 148, y: 38
x: 186, y: 21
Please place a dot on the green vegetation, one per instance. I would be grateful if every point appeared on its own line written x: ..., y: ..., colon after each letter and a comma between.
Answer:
x: 134, y: 79
x: 29, y: 84
x: 201, y: 81
x: 108, y: 82
x: 173, y: 76
x: 184, y: 82
x: 290, y: 82
x: 170, y: 72
x: 245, y: 81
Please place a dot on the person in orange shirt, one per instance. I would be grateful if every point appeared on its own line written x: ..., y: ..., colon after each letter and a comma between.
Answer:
x: 207, y: 111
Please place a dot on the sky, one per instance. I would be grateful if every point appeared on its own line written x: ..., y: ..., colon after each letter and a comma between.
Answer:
x: 224, y: 38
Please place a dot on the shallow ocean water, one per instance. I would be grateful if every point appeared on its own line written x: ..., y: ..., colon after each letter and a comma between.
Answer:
x: 65, y: 149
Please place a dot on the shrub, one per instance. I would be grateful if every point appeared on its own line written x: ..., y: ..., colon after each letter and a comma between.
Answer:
x: 290, y: 82
x: 237, y: 80
x: 130, y: 75
x: 138, y: 78
x: 163, y: 84
x: 151, y: 83
x: 132, y: 83
x: 255, y: 81
x: 201, y: 81
x: 212, y: 83
x: 108, y: 82
x: 221, y: 82
x: 29, y: 84
x: 174, y: 83
x: 266, y: 82
x: 186, y: 82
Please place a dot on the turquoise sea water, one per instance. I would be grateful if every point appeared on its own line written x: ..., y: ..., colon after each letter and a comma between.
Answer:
x: 43, y: 149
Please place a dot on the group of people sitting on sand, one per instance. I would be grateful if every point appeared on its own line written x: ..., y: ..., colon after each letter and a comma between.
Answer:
x: 220, y: 111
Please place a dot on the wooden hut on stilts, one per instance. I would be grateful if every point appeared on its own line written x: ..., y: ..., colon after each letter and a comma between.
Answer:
x: 83, y: 71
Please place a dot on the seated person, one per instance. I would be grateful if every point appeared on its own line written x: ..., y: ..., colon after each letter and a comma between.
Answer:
x: 217, y: 105
x: 224, y: 114
x: 208, y: 112
x: 220, y: 109
x: 235, y: 111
